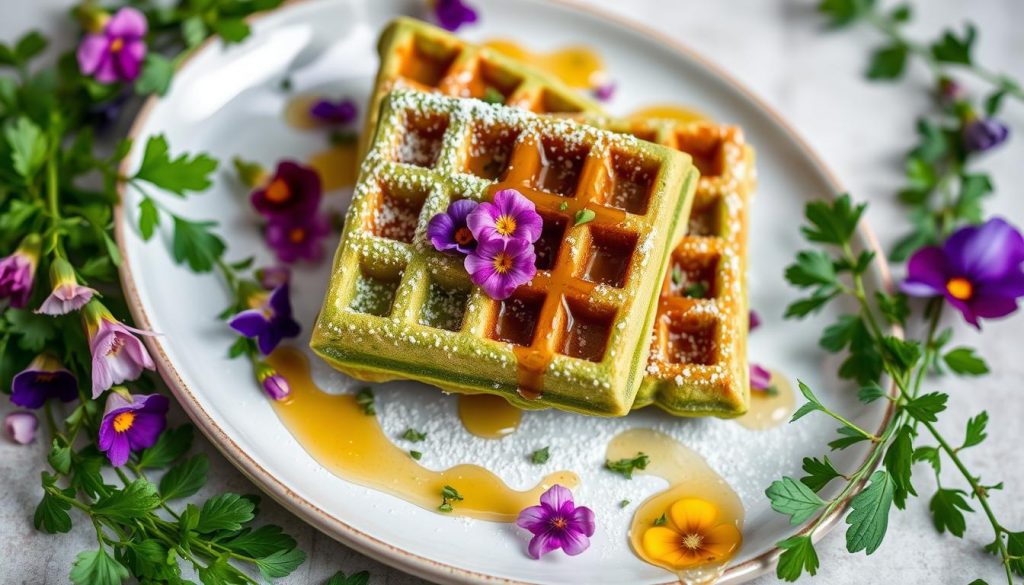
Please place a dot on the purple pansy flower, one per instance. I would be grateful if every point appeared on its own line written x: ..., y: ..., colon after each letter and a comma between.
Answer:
x: 44, y: 378
x: 342, y: 111
x: 509, y: 216
x: 21, y: 427
x: 557, y: 523
x: 67, y: 295
x: 982, y: 134
x: 452, y: 14
x: 978, y: 270
x: 449, y: 231
x: 294, y: 191
x: 115, y: 53
x: 117, y: 354
x: 760, y: 377
x: 17, y: 272
x: 131, y: 425
x: 294, y: 238
x: 500, y: 266
x: 269, y: 323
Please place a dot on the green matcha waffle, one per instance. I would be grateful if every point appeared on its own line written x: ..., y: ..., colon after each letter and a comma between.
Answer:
x: 574, y: 338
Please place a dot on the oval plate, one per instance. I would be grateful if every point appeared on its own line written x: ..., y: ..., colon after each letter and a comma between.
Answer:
x: 228, y: 102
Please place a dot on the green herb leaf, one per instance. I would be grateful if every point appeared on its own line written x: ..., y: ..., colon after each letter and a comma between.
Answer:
x: 695, y: 290
x: 887, y: 62
x: 798, y: 556
x: 417, y: 455
x: 281, y: 563
x: 812, y: 268
x: 563, y: 206
x: 177, y: 175
x: 51, y: 515
x: 339, y: 578
x: 975, y: 433
x: 871, y: 393
x: 540, y: 456
x: 413, y: 435
x: 952, y: 48
x: 844, y: 12
x: 803, y: 307
x: 196, y: 245
x: 493, y: 96
x: 864, y: 363
x: 450, y: 493
x: 365, y: 399
x: 172, y: 444
x: 97, y: 568
x: 838, y: 335
x: 927, y: 406
x: 973, y: 190
x: 848, y: 436
x: 794, y: 499
x: 260, y: 542
x: 946, y: 506
x: 626, y: 467
x: 134, y: 501
x: 584, y: 216
x: 232, y: 30
x: 964, y: 361
x: 29, y: 46
x: 59, y: 457
x: 1015, y: 547
x: 810, y: 406
x: 832, y: 223
x: 893, y: 307
x: 929, y: 455
x: 623, y: 504
x: 900, y: 353
x: 869, y: 517
x: 819, y: 473
x: 660, y: 520
x: 156, y: 75
x: 225, y: 512
x: 149, y: 218
x: 28, y: 146
x: 898, y: 462
x: 185, y: 478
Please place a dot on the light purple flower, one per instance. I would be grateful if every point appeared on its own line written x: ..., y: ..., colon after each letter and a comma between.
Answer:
x: 605, y: 91
x: 509, y: 216
x: 296, y: 238
x: 982, y: 134
x: 117, y: 354
x: 21, y: 427
x: 760, y: 377
x: 557, y: 523
x: 294, y: 192
x: 131, y: 425
x: 44, y: 378
x: 17, y: 272
x: 978, y: 270
x: 270, y: 322
x: 449, y: 231
x: 116, y: 53
x: 500, y: 266
x: 67, y: 295
x: 452, y: 14
x: 754, y: 320
x: 274, y: 384
x: 342, y: 111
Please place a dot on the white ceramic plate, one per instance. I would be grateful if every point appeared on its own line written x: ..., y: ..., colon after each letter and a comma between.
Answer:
x: 227, y: 102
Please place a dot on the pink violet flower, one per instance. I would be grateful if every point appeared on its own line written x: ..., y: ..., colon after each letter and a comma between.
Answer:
x: 17, y: 272
x: 115, y: 53
x: 452, y: 14
x: 117, y: 354
x: 557, y: 523
x: 296, y: 238
x: 500, y: 266
x: 754, y: 320
x: 605, y: 91
x: 294, y: 191
x: 44, y: 378
x: 274, y: 384
x: 21, y: 427
x: 342, y: 111
x: 270, y: 321
x: 449, y: 231
x: 67, y: 295
x: 978, y: 270
x: 760, y: 377
x: 131, y: 424
x: 509, y: 216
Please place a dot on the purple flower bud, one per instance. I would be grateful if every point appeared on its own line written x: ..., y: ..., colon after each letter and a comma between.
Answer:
x: 276, y: 386
x: 760, y: 377
x: 755, y: 320
x: 21, y: 427
x: 342, y: 111
x: 17, y: 272
x: 983, y: 134
x: 605, y: 91
x: 67, y: 294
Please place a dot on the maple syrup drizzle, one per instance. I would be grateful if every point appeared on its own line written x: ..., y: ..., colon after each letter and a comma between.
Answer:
x: 669, y: 112
x: 770, y: 409
x: 336, y: 432
x: 689, y: 476
x: 577, y: 66
x: 488, y: 416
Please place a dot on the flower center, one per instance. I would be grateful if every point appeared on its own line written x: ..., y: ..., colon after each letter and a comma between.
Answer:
x: 124, y: 421
x: 505, y: 225
x: 559, y: 523
x: 115, y: 345
x: 692, y: 541
x: 502, y: 263
x: 297, y: 235
x: 44, y: 377
x: 277, y: 191
x: 463, y: 236
x: 116, y: 45
x: 960, y: 288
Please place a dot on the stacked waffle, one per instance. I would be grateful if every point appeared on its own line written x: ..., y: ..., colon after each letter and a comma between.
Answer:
x: 643, y: 303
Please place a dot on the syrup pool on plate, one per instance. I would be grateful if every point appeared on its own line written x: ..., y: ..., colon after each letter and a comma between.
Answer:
x: 577, y: 66
x: 341, y: 437
x: 772, y: 407
x: 698, y: 518
x: 488, y: 416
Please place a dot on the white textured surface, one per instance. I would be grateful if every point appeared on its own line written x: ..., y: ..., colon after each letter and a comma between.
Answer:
x: 860, y: 130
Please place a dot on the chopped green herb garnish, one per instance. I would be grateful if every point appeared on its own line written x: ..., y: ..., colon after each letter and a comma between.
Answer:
x: 677, y: 275
x: 563, y: 206
x: 585, y: 216
x: 448, y: 495
x: 285, y: 84
x: 772, y: 390
x: 415, y: 455
x: 660, y: 520
x: 493, y: 96
x: 540, y: 456
x: 413, y: 435
x: 623, y: 503
x: 343, y: 137
x: 365, y: 398
x: 625, y: 467
x: 696, y: 290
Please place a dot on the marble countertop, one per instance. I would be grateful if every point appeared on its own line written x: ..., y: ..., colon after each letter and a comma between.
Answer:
x: 780, y: 49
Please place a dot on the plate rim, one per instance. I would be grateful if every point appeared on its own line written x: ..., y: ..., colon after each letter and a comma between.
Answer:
x: 363, y: 542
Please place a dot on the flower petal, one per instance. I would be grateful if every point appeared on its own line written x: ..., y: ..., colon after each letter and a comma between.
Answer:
x: 250, y: 323
x: 663, y: 544
x: 693, y: 514
x: 927, y: 272
x: 119, y: 450
x: 543, y: 543
x: 460, y: 210
x: 574, y: 543
x: 127, y: 22
x: 582, y: 520
x: 986, y: 252
x: 535, y: 519
x: 129, y: 60
x: 556, y: 497
x: 722, y: 540
x: 21, y: 427
x: 91, y: 53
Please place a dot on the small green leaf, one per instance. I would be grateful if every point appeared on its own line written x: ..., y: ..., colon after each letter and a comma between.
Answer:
x: 887, y: 62
x: 177, y: 175
x: 584, y: 216
x: 844, y: 12
x: 232, y: 30
x: 832, y: 222
x: 413, y: 435
x: 185, y: 478
x: 261, y: 541
x: 281, y: 563
x: 812, y: 404
x: 819, y: 473
x: 838, y: 335
x: 224, y: 512
x: 194, y: 30
x: 51, y: 515
x: 660, y: 520
x: 812, y: 268
x: 493, y: 96
x: 869, y: 517
x: 134, y: 501
x: 366, y: 400
x: 975, y: 433
x: 933, y: 143
x: 870, y: 393
x: 97, y: 568
x: 157, y: 72
x: 898, y: 462
x: 339, y: 578
x: 798, y: 556
x: 540, y: 456
x: 794, y: 499
x: 946, y: 506
x: 803, y: 307
x: 902, y: 13
x: 196, y: 245
x: 848, y: 436
x: 929, y: 455
x: 626, y: 467
x: 973, y: 190
x: 59, y: 457
x: 964, y: 361
x: 927, y: 406
x: 29, y: 46
x: 952, y: 48
x: 900, y: 353
x: 172, y: 444
x: 417, y: 455
x: 28, y: 146
x: 149, y: 218
x: 893, y: 307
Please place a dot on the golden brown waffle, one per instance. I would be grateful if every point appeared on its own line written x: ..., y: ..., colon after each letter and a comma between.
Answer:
x: 577, y: 336
x: 420, y: 56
